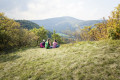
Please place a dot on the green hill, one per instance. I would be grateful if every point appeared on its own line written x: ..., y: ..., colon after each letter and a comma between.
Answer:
x: 99, y: 60
x: 27, y: 24
x: 61, y: 24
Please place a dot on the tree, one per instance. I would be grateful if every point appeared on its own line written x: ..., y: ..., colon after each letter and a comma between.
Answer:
x: 27, y: 24
x: 9, y: 32
x: 114, y: 24
x: 41, y: 33
x: 13, y: 36
x: 108, y: 28
x: 27, y: 38
x: 56, y: 37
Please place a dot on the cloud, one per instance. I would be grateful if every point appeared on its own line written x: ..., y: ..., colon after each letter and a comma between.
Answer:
x: 12, y: 4
x: 42, y: 9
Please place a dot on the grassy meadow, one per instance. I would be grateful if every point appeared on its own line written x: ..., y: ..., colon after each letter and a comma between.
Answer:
x: 98, y: 60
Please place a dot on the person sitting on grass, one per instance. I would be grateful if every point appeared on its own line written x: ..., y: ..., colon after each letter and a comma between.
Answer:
x: 55, y: 44
x: 48, y: 44
x: 42, y: 44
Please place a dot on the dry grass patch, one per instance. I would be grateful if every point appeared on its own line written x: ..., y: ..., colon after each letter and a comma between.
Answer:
x: 80, y: 61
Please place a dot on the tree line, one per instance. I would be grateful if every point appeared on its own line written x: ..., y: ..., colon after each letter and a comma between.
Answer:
x: 108, y: 29
x: 27, y: 24
x: 13, y: 35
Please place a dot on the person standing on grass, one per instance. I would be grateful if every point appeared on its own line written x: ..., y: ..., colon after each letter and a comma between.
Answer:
x: 55, y: 44
x: 48, y: 44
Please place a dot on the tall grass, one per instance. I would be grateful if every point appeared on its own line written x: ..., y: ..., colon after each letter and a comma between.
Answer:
x: 99, y: 60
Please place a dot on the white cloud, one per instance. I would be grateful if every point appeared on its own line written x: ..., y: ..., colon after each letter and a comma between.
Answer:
x: 42, y: 9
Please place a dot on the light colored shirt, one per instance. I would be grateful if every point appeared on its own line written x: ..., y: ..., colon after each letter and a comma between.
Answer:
x: 54, y: 44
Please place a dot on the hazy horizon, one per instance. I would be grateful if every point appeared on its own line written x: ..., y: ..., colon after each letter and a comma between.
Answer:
x: 44, y: 9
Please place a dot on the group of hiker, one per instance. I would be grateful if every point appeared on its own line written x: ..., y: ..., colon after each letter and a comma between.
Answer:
x: 47, y: 44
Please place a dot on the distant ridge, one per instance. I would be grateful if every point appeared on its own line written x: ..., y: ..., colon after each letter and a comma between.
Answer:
x: 61, y: 24
x: 27, y: 24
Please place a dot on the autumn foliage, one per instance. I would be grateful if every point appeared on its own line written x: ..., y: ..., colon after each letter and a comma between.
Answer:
x: 12, y: 35
x: 108, y: 29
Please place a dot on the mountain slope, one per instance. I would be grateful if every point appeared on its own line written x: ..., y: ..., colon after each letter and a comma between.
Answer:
x: 89, y: 23
x: 27, y: 24
x: 97, y: 60
x: 61, y: 24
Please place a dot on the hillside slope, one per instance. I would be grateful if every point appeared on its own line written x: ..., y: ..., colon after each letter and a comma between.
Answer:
x: 27, y: 24
x: 61, y: 24
x: 98, y: 60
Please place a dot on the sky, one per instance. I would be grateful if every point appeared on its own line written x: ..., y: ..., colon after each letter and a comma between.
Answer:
x: 43, y: 9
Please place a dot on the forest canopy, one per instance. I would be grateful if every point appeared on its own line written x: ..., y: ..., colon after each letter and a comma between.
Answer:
x: 27, y: 24
x: 108, y: 29
x: 16, y: 34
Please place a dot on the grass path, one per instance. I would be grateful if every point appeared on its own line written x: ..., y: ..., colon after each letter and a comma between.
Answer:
x: 79, y: 61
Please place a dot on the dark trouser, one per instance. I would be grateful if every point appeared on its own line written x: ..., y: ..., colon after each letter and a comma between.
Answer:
x: 57, y: 46
x: 51, y: 46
